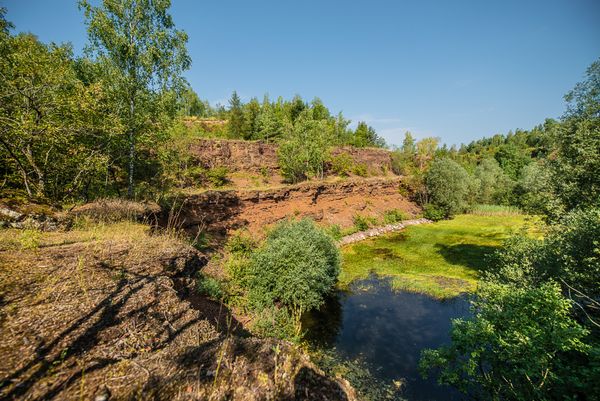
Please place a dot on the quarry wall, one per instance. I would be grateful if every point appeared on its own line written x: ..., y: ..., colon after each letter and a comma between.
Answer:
x: 255, y: 156
x: 328, y: 203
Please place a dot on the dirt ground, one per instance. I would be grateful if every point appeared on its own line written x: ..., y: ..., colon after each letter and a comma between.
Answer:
x: 102, y: 312
x: 327, y: 202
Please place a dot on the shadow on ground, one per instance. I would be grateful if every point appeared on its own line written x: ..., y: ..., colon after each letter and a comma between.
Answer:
x: 470, y: 255
x: 127, y: 324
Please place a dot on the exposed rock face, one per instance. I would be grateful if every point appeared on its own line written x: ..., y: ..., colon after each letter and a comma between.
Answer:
x: 236, y: 155
x: 377, y: 161
x: 330, y: 203
x: 30, y: 220
x: 257, y: 156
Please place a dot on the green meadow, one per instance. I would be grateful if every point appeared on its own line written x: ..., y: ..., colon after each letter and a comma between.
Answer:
x: 442, y: 259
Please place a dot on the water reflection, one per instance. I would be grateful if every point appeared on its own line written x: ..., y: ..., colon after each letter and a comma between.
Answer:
x: 387, y: 330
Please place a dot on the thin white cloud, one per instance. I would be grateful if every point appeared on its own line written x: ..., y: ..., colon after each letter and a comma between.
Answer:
x: 392, y: 128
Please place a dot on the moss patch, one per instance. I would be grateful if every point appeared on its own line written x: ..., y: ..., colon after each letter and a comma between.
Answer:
x: 442, y: 259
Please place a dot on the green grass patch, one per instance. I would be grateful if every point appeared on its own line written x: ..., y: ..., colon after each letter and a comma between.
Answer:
x: 442, y: 259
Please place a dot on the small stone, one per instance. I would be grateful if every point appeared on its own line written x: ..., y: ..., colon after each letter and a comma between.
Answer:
x: 103, y: 394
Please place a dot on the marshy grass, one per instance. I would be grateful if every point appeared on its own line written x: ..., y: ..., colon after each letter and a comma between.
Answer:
x: 495, y: 210
x: 442, y: 259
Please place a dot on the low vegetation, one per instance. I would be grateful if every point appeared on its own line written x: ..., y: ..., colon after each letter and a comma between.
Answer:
x: 394, y: 216
x: 217, y: 176
x: 107, y: 302
x: 362, y: 223
x: 296, y: 267
x: 495, y: 210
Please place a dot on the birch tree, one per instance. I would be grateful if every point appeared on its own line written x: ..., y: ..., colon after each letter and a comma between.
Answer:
x: 144, y: 56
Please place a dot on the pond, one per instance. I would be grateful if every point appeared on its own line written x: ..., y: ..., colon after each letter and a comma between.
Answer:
x: 387, y: 330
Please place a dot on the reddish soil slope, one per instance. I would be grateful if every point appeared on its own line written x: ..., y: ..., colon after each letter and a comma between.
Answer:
x: 329, y: 203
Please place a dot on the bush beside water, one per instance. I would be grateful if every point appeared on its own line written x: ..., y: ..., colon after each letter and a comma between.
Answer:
x: 288, y: 274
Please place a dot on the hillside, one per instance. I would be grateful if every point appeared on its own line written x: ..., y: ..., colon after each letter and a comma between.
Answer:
x: 254, y: 195
x: 109, y: 311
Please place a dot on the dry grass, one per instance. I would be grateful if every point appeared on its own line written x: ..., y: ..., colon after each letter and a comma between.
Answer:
x: 115, y: 209
x: 104, y: 308
x: 274, y: 185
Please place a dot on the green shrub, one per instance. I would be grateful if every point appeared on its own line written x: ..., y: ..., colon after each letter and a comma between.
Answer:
x: 209, y: 287
x: 360, y: 169
x: 434, y: 212
x: 534, y: 321
x: 448, y: 185
x: 296, y: 267
x: 524, y: 336
x: 30, y: 239
x: 305, y: 150
x: 342, y: 164
x: 238, y: 268
x: 241, y: 243
x: 362, y: 223
x: 275, y: 322
x: 335, y: 231
x: 569, y: 254
x: 193, y: 174
x: 217, y: 176
x: 265, y: 174
x: 393, y: 216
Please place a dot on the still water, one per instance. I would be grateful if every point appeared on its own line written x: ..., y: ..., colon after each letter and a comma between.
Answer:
x: 387, y: 330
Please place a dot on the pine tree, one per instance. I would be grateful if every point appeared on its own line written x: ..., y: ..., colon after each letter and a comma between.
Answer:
x: 236, y: 117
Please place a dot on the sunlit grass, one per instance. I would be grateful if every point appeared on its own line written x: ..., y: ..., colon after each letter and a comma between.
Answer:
x: 442, y: 259
x: 139, y: 237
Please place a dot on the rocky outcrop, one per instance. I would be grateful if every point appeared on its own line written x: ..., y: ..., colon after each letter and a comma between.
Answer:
x: 259, y: 157
x: 28, y: 219
x: 376, y: 231
x: 236, y: 155
x: 328, y: 202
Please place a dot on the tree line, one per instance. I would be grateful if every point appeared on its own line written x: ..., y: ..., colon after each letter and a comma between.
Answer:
x: 273, y: 121
x: 87, y: 126
x: 548, y: 170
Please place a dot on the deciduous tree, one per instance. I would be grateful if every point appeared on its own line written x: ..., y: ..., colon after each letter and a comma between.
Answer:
x: 143, y: 55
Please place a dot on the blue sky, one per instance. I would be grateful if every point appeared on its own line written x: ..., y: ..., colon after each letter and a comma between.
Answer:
x: 459, y: 70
